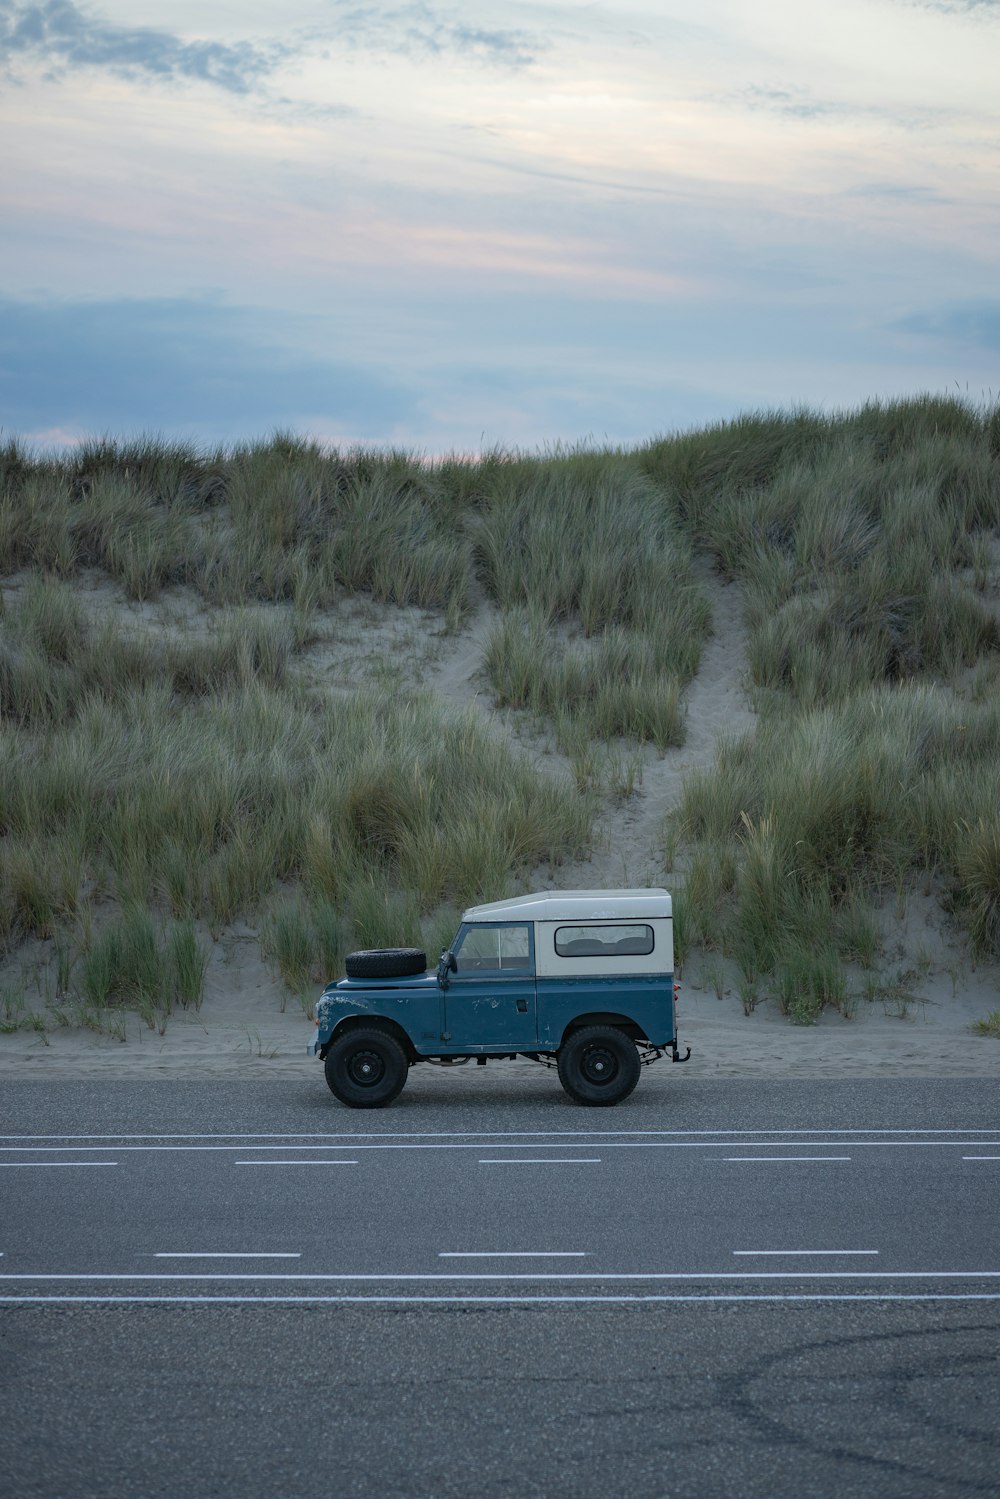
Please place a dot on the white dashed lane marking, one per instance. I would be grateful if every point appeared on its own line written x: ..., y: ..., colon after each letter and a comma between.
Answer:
x: 295, y: 1163
x: 39, y: 1165
x: 783, y: 1253
x: 221, y: 1254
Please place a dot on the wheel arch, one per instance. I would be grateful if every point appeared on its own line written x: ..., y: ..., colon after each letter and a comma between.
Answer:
x: 370, y: 1023
x: 612, y: 1018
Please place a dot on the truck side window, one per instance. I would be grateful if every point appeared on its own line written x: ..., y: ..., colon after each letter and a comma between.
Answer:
x: 493, y: 948
x: 604, y: 941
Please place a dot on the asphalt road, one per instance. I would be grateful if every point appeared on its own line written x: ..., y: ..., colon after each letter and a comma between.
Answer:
x: 225, y: 1288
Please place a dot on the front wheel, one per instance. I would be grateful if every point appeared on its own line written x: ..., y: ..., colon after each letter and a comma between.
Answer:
x: 598, y: 1065
x: 366, y: 1069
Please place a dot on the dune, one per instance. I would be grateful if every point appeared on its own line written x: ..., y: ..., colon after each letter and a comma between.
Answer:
x: 259, y: 706
x: 250, y: 1026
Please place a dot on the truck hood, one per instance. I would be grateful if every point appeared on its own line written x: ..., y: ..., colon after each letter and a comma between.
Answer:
x: 345, y: 987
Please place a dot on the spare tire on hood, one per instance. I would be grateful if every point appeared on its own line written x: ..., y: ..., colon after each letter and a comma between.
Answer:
x: 386, y: 963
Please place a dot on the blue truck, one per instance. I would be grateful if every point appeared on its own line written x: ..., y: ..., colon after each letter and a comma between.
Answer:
x: 579, y: 980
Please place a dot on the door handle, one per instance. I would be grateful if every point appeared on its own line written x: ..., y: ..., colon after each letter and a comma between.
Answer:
x: 522, y: 1005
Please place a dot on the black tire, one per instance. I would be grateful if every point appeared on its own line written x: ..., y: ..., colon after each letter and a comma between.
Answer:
x: 366, y: 1068
x: 598, y: 1065
x: 386, y: 963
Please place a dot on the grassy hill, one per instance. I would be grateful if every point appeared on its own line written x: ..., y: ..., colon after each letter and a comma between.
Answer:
x: 173, y: 766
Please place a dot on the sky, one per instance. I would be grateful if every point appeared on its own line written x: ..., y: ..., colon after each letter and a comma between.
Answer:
x: 452, y: 227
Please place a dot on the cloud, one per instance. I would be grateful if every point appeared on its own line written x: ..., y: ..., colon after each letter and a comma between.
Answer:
x: 62, y: 36
x: 789, y: 101
x: 65, y: 36
x: 419, y: 30
x: 969, y: 323
x: 901, y: 192
x: 984, y: 8
x: 188, y: 366
x: 797, y: 103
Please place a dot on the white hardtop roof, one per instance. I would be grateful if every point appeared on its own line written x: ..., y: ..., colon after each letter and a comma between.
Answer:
x: 575, y: 905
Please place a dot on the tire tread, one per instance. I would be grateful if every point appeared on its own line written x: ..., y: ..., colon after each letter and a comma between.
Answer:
x: 386, y: 963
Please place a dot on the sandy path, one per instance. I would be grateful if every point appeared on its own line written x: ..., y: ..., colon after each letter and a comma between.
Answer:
x: 629, y: 845
x: 629, y: 849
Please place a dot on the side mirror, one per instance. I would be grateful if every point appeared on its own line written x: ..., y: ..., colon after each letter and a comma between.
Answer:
x: 446, y: 965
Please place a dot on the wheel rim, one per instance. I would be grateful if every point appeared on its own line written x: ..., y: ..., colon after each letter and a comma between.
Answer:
x: 599, y: 1065
x: 365, y: 1069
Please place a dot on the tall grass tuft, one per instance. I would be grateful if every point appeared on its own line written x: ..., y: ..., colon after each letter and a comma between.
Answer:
x: 124, y: 963
x: 187, y: 960
x: 977, y: 866
x: 587, y: 541
x: 620, y: 684
x: 819, y: 813
x: 288, y: 939
x: 306, y: 941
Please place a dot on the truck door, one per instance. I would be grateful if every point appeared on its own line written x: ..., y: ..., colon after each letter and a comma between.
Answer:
x: 490, y: 1000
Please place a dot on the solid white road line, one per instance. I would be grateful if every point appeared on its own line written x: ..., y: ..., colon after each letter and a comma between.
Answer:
x: 523, y: 1144
x: 981, y: 1158
x: 593, y: 1276
x: 507, y: 1134
x: 216, y: 1254
x: 784, y: 1252
x: 728, y: 1296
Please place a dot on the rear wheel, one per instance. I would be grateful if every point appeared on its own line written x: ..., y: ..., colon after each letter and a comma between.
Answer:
x: 598, y: 1065
x: 366, y: 1069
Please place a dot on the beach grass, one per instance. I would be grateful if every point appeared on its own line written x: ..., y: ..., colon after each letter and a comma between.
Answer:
x: 806, y: 825
x: 157, y: 787
x: 602, y: 623
x: 850, y: 535
x: 863, y: 543
x: 149, y: 786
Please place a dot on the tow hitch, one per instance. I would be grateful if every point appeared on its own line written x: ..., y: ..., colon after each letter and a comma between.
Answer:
x: 675, y: 1054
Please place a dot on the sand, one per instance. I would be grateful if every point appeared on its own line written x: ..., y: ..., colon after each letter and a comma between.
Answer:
x: 249, y: 1026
